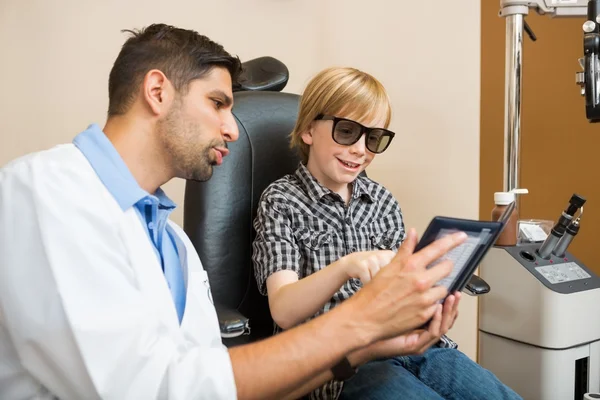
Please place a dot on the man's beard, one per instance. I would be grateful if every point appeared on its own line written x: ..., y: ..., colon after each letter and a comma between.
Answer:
x: 202, y: 169
x: 196, y: 163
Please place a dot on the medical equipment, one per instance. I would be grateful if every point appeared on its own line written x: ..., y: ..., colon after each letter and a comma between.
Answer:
x: 558, y: 231
x: 539, y: 327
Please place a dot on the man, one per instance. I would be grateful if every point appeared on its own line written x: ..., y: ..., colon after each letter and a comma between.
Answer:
x: 101, y: 296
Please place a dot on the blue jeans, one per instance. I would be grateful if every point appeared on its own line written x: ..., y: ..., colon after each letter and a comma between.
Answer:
x: 439, y: 373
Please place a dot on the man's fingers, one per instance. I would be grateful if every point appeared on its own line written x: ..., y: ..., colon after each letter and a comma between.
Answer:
x: 453, y: 320
x: 435, y: 274
x: 436, y: 322
x: 449, y: 305
x: 429, y: 312
x: 412, y: 340
x: 430, y: 343
x: 426, y: 340
x: 449, y: 313
x: 408, y: 246
x: 435, y: 250
x: 435, y: 294
x: 457, y: 296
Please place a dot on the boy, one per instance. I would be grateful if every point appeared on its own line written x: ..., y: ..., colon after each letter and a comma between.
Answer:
x: 324, y: 232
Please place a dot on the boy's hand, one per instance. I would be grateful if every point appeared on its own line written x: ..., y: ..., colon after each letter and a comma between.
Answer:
x: 364, y: 265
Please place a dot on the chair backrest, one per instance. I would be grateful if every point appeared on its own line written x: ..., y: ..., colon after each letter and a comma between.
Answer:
x: 218, y: 214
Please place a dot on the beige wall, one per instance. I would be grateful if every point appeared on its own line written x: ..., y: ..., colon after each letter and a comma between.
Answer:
x: 56, y: 56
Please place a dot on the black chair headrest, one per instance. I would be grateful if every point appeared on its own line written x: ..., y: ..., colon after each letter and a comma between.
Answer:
x: 263, y: 74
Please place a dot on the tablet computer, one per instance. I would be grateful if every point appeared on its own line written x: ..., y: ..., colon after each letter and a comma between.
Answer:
x: 481, y: 236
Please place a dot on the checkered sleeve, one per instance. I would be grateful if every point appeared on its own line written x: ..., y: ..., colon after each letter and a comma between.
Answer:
x: 446, y: 343
x: 398, y: 222
x: 274, y: 247
x: 393, y: 221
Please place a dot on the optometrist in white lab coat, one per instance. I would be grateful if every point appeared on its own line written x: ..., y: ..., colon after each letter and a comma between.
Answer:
x: 102, y: 297
x: 86, y: 308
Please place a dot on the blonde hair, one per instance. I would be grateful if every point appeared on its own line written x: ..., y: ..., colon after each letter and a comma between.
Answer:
x: 339, y: 90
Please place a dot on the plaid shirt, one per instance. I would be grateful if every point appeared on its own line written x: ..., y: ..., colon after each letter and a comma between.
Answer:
x: 303, y: 227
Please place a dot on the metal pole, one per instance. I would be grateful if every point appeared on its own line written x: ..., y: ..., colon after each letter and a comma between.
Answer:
x: 512, y: 97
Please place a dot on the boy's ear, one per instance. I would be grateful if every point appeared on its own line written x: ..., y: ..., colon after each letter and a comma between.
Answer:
x: 307, y: 135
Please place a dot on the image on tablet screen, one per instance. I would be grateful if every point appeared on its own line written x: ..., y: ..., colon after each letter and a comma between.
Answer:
x: 460, y: 255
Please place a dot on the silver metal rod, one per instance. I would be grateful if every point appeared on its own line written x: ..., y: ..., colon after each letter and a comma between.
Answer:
x: 563, y: 244
x: 512, y: 98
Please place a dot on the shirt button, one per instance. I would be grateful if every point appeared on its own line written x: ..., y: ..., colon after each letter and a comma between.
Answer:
x: 352, y: 250
x: 151, y: 225
x: 348, y: 220
x: 148, y: 201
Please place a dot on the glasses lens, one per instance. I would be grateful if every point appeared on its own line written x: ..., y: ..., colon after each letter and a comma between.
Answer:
x: 346, y: 132
x: 378, y: 140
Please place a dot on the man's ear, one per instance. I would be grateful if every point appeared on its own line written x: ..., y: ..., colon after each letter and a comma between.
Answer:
x: 158, y: 93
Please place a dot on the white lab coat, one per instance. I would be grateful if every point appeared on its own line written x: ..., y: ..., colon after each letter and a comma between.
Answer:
x: 85, y: 311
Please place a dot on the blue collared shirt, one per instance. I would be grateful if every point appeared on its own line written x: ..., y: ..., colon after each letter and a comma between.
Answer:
x: 153, y: 209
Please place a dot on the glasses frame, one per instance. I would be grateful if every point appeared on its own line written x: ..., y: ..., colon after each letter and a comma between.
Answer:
x: 363, y: 130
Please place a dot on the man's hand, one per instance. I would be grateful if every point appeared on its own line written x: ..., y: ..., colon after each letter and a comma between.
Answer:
x: 364, y: 265
x: 450, y: 312
x: 402, y: 296
x: 415, y: 342
x: 418, y: 341
x: 399, y: 299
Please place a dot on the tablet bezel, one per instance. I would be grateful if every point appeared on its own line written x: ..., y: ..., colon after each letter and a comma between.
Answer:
x: 465, y: 225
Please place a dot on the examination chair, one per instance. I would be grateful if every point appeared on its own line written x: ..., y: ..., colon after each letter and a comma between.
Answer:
x: 218, y: 214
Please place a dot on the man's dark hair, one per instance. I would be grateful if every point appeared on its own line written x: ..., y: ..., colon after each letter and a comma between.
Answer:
x: 182, y: 55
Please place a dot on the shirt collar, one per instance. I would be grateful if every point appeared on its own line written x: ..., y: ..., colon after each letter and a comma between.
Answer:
x: 112, y: 170
x: 316, y: 191
x: 361, y: 189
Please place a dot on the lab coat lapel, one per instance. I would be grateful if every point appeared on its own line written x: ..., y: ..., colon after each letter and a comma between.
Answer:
x: 200, y: 313
x: 147, y: 269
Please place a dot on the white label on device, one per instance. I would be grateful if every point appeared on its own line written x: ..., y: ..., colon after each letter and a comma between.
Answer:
x: 565, y: 272
x: 460, y: 255
x: 559, y: 2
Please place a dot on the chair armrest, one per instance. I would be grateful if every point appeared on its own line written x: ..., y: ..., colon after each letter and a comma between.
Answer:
x: 476, y: 286
x: 231, y: 322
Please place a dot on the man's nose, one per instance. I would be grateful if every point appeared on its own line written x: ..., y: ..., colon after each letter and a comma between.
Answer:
x: 229, y: 129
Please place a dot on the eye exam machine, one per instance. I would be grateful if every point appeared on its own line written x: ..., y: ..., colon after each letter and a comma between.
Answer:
x: 539, y: 326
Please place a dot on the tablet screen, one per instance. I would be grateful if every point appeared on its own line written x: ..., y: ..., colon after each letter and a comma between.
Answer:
x: 461, y: 254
